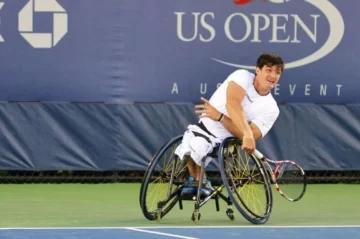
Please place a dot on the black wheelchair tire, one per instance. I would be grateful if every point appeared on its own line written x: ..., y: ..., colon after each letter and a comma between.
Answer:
x: 145, y: 182
x: 247, y: 214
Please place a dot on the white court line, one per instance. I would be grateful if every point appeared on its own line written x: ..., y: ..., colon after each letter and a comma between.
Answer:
x: 253, y: 226
x: 160, y: 233
x: 169, y: 227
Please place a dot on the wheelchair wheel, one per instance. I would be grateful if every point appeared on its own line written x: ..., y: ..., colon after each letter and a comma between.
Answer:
x: 246, y: 182
x: 162, y: 182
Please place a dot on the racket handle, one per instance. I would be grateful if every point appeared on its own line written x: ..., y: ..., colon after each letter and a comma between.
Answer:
x: 258, y: 154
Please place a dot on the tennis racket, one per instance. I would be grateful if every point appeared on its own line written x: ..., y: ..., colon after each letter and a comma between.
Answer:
x: 288, y: 177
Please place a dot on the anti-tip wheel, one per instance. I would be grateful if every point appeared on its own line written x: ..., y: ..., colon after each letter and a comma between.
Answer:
x: 196, y: 217
x: 230, y: 214
x: 158, y: 215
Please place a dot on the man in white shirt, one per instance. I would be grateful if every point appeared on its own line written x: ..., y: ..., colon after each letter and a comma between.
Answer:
x: 242, y: 106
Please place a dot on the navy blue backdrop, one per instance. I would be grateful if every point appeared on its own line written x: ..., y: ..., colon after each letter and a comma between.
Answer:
x: 71, y: 72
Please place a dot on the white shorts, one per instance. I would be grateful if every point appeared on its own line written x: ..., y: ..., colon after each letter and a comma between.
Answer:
x: 197, y: 146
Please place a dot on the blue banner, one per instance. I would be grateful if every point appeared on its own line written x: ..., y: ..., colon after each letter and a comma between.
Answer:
x: 109, y: 137
x: 174, y: 51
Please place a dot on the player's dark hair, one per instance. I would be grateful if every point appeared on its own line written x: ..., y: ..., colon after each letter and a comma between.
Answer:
x: 270, y: 59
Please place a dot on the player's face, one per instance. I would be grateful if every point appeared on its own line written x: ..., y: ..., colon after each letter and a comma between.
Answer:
x: 268, y: 76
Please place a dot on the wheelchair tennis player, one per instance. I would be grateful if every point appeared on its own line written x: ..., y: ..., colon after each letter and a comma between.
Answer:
x: 241, y: 107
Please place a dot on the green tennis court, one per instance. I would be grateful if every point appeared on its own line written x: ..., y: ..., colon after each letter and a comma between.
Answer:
x: 117, y: 205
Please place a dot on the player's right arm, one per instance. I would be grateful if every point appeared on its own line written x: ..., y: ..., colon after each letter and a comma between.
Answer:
x: 234, y: 96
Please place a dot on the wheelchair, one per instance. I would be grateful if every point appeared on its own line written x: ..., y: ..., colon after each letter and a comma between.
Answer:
x: 244, y: 177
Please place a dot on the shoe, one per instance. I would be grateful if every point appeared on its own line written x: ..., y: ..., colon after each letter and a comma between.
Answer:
x: 190, y: 187
x: 206, y: 188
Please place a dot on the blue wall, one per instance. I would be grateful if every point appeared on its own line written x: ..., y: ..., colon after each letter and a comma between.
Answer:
x: 79, y: 66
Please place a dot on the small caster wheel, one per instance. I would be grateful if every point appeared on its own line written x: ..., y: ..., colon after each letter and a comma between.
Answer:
x: 196, y: 217
x: 230, y: 214
x: 158, y: 215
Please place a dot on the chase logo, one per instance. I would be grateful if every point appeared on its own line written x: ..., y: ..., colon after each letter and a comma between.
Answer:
x: 43, y: 40
x: 335, y: 36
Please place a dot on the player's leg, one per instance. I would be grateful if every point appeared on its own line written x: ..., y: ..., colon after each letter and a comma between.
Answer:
x: 195, y: 177
x: 183, y: 151
x: 191, y: 166
x: 193, y: 181
x: 193, y: 149
x: 190, y: 186
x: 206, y: 188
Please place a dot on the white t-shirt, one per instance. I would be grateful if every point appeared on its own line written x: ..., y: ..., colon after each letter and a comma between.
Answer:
x: 260, y: 110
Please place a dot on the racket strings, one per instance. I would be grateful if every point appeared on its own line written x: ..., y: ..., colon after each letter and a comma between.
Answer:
x: 290, y: 180
x: 288, y: 173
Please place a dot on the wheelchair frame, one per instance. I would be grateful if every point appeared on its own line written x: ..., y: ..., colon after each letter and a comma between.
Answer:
x: 175, y: 196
